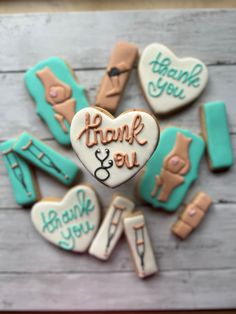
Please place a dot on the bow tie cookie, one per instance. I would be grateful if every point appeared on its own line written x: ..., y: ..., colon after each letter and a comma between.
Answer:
x: 168, y: 82
x: 70, y: 223
x: 114, y: 149
x: 57, y: 94
x: 172, y: 169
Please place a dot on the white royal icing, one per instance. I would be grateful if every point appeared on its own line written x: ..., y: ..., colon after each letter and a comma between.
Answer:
x: 70, y: 223
x: 111, y: 228
x: 168, y: 82
x: 140, y: 245
x: 101, y: 159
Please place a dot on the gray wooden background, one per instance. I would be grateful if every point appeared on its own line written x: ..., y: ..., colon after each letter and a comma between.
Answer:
x: 194, y: 274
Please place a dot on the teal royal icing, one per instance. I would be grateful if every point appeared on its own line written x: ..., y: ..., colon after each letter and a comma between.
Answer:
x: 37, y: 91
x: 154, y: 166
x: 163, y: 68
x: 47, y: 159
x: 20, y: 175
x: 218, y: 142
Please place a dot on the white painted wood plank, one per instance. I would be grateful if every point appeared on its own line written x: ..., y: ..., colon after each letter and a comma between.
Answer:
x: 212, y: 246
x: 172, y: 290
x: 18, y: 110
x: 87, y: 38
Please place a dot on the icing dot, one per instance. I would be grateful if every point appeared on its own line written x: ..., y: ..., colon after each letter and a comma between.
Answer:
x: 192, y: 212
x: 53, y: 93
x: 175, y: 160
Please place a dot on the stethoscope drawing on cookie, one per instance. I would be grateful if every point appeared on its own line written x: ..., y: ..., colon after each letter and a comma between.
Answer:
x: 102, y: 173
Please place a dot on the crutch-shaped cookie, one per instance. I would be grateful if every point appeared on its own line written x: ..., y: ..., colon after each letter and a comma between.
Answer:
x: 57, y: 94
x: 21, y: 177
x: 192, y: 215
x: 140, y: 244
x: 111, y: 228
x: 45, y: 158
x: 113, y: 83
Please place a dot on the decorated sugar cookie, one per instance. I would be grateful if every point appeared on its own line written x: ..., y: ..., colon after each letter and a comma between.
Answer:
x: 168, y: 82
x: 118, y: 71
x: 70, y: 223
x: 192, y: 215
x: 172, y: 169
x: 216, y: 134
x: 21, y: 177
x: 57, y: 94
x: 114, y: 149
x: 45, y: 158
x: 140, y: 244
x: 111, y: 228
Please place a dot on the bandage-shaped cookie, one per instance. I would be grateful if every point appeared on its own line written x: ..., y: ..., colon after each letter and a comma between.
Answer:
x: 140, y: 244
x: 216, y: 134
x: 192, y: 215
x: 111, y: 228
x: 113, y: 83
x: 57, y: 94
x: 47, y: 159
x: 172, y: 168
x: 21, y: 177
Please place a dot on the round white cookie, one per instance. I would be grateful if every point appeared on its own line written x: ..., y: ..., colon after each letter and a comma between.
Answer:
x: 70, y: 223
x: 168, y: 82
x: 113, y: 149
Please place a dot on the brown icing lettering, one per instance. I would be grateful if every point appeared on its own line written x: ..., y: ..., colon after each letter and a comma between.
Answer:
x: 58, y: 94
x: 175, y: 165
x: 122, y: 159
x: 94, y: 134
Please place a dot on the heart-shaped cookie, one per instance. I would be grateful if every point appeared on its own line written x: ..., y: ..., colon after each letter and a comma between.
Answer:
x: 168, y: 82
x: 114, y: 149
x: 70, y: 223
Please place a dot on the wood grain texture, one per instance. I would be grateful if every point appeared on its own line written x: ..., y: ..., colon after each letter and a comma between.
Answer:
x: 194, y: 274
x: 15, y: 6
x: 206, y: 34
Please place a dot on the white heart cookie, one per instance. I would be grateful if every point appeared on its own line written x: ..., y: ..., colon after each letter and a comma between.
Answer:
x: 113, y: 149
x: 168, y: 82
x: 70, y: 223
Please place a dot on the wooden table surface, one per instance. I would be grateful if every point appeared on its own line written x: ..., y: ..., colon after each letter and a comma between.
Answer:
x: 199, y: 273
